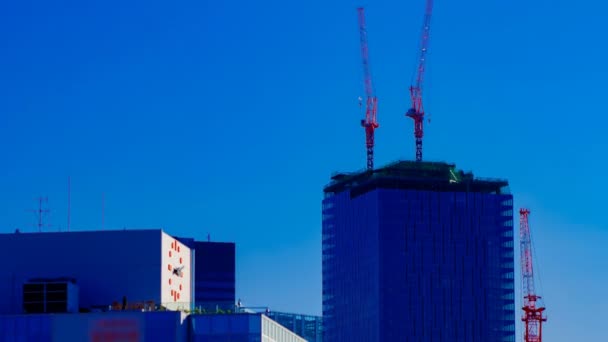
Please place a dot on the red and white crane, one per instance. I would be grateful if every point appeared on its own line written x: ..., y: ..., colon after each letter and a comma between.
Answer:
x: 369, y: 123
x: 533, y: 317
x: 416, y: 112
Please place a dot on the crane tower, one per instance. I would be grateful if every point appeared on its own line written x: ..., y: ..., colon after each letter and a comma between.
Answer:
x: 369, y: 123
x: 416, y: 112
x: 533, y: 316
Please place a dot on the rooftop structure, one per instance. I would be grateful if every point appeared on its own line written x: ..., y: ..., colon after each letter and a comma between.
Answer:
x: 409, y: 175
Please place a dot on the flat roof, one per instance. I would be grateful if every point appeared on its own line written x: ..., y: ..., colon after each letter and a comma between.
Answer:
x: 412, y: 175
x: 72, y: 232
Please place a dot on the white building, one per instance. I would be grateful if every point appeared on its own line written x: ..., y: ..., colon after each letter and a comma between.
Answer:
x: 99, y: 270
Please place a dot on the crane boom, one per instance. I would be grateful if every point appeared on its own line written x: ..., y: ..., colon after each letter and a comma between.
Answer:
x: 533, y: 317
x: 369, y: 123
x: 416, y: 112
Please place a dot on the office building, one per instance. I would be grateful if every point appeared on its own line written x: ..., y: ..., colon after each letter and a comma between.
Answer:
x: 417, y: 251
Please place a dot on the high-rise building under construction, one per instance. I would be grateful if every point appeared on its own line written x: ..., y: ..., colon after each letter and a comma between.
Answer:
x: 417, y: 251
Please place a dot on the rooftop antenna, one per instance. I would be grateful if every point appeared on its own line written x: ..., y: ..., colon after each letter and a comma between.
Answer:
x: 103, y: 210
x: 69, y: 200
x: 40, y: 213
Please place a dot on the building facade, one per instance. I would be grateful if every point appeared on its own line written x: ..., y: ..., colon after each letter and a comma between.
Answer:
x: 215, y: 274
x: 137, y: 326
x: 417, y: 252
x: 127, y: 326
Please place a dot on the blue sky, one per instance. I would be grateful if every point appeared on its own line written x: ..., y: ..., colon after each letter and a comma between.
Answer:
x: 228, y: 117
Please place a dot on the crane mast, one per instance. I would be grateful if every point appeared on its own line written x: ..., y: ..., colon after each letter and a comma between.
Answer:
x: 533, y: 317
x: 369, y: 123
x: 416, y: 112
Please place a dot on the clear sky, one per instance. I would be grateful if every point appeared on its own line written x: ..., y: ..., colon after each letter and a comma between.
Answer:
x: 228, y: 117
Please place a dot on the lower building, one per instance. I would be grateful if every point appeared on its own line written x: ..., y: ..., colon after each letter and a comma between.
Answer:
x: 104, y: 326
x: 133, y: 326
x: 124, y: 285
x: 307, y: 326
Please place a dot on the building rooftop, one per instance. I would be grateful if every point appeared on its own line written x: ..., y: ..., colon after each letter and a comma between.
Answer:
x: 56, y: 233
x: 411, y: 175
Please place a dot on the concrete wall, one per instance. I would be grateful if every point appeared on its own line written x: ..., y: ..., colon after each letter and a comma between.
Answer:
x: 107, y: 265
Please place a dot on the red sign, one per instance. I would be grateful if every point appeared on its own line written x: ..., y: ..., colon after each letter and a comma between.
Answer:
x: 115, y: 330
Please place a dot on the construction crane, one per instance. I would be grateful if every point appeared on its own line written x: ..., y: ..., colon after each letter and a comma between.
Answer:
x: 533, y: 316
x: 369, y: 123
x: 416, y: 112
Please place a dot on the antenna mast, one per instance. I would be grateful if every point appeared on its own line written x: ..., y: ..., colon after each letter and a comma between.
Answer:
x: 40, y: 213
x: 69, y: 201
x: 103, y: 210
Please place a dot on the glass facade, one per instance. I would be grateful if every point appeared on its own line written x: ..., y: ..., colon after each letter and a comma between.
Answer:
x: 417, y: 259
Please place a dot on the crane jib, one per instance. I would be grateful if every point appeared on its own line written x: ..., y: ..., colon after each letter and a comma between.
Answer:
x: 369, y: 122
x: 416, y: 111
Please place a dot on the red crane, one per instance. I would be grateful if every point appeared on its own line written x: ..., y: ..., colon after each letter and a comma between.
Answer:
x: 416, y: 112
x: 533, y: 317
x: 369, y: 123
